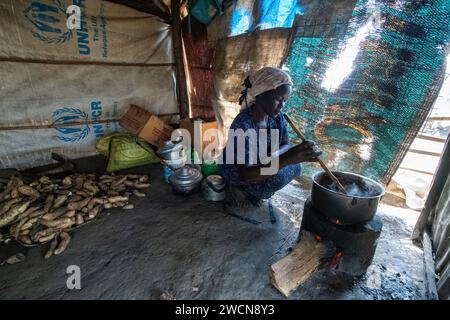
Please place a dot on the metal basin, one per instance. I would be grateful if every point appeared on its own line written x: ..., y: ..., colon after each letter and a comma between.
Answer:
x: 358, y: 206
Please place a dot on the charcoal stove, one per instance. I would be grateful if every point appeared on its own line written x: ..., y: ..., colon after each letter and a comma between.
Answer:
x: 355, y: 244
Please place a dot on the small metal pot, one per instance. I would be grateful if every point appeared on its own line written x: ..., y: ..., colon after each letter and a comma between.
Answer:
x: 171, y: 151
x: 213, y: 188
x: 341, y: 208
x: 186, y: 180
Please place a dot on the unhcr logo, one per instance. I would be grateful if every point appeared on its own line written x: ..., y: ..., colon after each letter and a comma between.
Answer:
x: 49, y: 21
x: 72, y: 124
x: 67, y: 122
x: 53, y: 23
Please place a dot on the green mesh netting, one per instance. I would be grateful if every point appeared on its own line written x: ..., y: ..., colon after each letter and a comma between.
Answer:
x: 363, y: 97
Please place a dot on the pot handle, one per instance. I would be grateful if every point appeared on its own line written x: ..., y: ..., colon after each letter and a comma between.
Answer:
x: 354, y: 201
x: 214, y: 187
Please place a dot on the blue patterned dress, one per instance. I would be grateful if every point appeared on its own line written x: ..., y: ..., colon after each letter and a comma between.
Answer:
x: 273, y: 183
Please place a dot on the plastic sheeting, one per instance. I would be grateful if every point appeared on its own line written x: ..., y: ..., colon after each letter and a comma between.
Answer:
x: 237, y: 56
x: 31, y: 92
x: 249, y: 15
x: 61, y: 89
x: 364, y: 97
x: 234, y: 59
x: 68, y: 109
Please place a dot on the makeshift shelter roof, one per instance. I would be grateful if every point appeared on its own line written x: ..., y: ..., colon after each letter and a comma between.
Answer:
x: 160, y: 8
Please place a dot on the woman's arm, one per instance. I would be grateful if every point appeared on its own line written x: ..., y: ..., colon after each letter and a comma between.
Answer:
x: 286, y: 155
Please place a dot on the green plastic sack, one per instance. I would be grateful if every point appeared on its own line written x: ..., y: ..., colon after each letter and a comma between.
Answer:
x: 125, y: 151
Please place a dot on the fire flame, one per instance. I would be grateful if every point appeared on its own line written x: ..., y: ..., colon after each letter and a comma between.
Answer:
x: 334, y: 262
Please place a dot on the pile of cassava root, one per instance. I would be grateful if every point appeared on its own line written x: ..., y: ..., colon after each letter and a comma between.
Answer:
x: 47, y: 209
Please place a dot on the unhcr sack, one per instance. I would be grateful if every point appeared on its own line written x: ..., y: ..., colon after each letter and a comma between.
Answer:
x: 62, y: 90
x: 37, y: 29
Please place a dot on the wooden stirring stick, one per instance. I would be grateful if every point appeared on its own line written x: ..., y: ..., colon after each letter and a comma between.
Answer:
x: 322, y: 164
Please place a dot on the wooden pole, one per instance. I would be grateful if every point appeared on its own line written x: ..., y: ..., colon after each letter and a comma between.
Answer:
x: 430, y: 274
x: 178, y: 51
x: 322, y: 164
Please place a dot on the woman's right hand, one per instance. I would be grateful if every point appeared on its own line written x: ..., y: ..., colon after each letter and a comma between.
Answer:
x: 303, y: 152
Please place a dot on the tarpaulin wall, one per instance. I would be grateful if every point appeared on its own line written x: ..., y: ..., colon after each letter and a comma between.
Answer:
x: 251, y: 15
x: 268, y: 43
x: 61, y: 89
x: 364, y: 97
x: 236, y: 56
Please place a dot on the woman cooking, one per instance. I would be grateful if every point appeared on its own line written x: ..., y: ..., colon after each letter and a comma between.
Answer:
x: 264, y: 96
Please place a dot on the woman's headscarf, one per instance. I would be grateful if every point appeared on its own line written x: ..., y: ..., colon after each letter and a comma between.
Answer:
x: 263, y: 80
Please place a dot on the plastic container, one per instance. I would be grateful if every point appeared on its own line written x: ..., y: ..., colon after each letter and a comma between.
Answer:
x: 167, y: 172
x: 210, y: 166
x: 209, y: 169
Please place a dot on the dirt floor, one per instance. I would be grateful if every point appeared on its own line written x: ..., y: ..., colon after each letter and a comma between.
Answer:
x: 192, y: 249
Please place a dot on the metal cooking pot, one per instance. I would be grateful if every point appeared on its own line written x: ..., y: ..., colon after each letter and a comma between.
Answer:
x: 213, y: 188
x: 171, y: 151
x: 186, y: 180
x: 346, y: 209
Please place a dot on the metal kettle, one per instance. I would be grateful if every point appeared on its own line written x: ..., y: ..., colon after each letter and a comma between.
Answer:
x: 186, y: 180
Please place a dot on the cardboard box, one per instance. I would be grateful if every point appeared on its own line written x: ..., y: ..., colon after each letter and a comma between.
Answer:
x: 134, y: 119
x: 147, y: 126
x: 201, y: 127
x: 156, y: 131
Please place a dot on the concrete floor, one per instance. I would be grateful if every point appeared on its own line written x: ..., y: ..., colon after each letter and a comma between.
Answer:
x: 192, y: 249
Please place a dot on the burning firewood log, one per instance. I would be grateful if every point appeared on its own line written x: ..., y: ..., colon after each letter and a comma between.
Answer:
x: 308, y: 256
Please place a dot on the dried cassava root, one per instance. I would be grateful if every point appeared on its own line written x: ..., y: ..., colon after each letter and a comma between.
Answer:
x: 45, y: 210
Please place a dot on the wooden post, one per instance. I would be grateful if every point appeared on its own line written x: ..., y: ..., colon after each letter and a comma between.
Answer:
x: 430, y: 274
x: 178, y: 51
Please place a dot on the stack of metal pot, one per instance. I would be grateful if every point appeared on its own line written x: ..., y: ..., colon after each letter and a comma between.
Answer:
x: 187, y: 179
x: 173, y: 154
